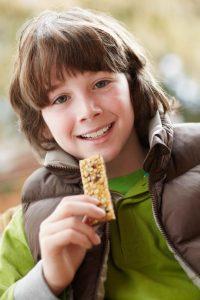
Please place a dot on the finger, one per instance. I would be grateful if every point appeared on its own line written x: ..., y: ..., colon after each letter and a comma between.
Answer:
x: 54, y: 243
x: 70, y: 209
x: 81, y: 197
x: 67, y: 223
x: 74, y: 198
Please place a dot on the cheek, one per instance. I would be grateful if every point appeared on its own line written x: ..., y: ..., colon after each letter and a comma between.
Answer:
x: 57, y: 123
x: 63, y: 126
x: 121, y: 104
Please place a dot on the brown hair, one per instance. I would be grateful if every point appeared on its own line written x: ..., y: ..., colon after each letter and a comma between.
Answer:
x: 78, y: 40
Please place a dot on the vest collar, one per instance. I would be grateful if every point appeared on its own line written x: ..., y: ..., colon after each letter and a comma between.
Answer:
x: 160, y: 142
x: 59, y: 159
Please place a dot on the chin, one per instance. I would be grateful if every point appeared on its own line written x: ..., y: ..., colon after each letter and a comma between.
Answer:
x: 109, y: 156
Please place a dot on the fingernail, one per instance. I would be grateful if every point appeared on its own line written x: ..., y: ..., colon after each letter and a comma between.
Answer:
x: 101, y: 211
x: 96, y: 200
x: 97, y: 239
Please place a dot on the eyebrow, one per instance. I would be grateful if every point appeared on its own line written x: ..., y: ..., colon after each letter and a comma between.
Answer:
x: 56, y: 86
x: 53, y: 88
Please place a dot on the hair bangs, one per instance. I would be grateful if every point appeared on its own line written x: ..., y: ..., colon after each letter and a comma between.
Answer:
x: 71, y: 49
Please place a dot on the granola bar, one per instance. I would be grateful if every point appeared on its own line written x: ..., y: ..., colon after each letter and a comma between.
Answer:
x: 95, y: 184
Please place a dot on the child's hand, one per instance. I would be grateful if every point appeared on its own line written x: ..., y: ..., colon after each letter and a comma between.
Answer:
x: 64, y: 239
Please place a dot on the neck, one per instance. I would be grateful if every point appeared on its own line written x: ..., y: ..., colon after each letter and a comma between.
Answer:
x: 130, y: 158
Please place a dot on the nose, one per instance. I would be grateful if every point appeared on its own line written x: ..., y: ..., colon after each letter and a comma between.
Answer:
x: 88, y: 110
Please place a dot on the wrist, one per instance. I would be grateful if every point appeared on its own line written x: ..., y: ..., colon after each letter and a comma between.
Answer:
x: 55, y: 289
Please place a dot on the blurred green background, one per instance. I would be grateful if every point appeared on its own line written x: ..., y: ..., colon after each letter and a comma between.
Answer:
x: 168, y: 30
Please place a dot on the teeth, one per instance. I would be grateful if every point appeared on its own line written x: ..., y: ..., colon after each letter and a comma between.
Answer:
x: 97, y: 133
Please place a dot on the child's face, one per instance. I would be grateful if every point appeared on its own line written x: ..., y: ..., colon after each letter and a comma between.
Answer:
x: 90, y: 113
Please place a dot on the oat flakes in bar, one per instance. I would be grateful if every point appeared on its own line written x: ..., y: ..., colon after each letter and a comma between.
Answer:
x: 95, y: 183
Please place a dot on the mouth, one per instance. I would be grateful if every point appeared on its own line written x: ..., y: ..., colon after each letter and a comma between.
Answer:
x: 97, y: 134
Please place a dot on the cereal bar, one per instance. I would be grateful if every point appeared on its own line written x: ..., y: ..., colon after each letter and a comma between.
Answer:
x: 95, y: 184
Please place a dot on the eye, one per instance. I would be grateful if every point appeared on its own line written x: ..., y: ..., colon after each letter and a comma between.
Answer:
x: 61, y: 99
x: 102, y: 83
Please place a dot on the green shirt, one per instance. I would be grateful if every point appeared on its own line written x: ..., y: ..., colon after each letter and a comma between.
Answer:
x: 140, y: 265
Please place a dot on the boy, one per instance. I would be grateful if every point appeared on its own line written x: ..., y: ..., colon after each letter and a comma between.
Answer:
x: 83, y: 86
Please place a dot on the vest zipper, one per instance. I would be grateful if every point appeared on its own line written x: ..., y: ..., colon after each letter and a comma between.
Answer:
x: 165, y: 235
x: 106, y: 249
x: 106, y: 252
x: 63, y: 167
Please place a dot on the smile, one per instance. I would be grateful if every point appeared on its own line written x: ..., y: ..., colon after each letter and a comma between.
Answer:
x: 96, y: 134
